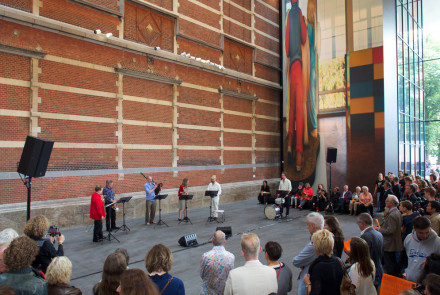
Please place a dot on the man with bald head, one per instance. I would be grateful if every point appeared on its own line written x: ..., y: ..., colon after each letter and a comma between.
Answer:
x: 254, y: 277
x: 392, y: 239
x: 215, y: 266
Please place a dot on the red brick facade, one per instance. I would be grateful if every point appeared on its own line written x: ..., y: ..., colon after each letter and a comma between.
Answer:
x: 115, y: 103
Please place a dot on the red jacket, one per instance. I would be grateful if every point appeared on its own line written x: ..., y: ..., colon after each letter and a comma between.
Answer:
x: 96, y: 207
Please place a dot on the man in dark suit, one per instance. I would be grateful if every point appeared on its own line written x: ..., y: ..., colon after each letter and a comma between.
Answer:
x: 387, y: 192
x: 374, y: 240
x: 344, y: 198
x: 391, y: 231
x: 395, y: 187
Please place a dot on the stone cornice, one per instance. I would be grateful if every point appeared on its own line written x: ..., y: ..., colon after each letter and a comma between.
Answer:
x: 235, y: 93
x: 22, y: 51
x: 28, y: 19
x: 148, y: 76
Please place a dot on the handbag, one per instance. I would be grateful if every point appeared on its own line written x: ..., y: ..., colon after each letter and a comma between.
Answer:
x: 347, y: 287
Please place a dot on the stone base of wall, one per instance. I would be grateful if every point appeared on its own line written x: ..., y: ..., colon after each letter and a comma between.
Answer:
x: 75, y: 212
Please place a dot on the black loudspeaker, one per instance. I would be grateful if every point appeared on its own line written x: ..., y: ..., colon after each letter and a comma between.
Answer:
x: 188, y: 240
x: 35, y: 157
x: 331, y: 154
x: 226, y: 229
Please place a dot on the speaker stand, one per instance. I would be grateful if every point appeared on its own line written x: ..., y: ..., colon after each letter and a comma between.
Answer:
x: 27, y: 182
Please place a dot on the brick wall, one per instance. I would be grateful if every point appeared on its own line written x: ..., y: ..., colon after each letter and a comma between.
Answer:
x: 75, y: 88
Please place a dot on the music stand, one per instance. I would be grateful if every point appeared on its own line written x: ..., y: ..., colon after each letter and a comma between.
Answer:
x: 186, y: 198
x: 282, y: 193
x: 124, y: 200
x: 211, y: 194
x: 160, y: 198
x: 110, y: 236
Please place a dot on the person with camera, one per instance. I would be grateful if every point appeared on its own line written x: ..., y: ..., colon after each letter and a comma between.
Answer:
x: 36, y: 229
x: 150, y: 202
x: 110, y: 211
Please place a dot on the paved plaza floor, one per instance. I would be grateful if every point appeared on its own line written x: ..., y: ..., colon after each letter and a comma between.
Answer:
x: 244, y: 216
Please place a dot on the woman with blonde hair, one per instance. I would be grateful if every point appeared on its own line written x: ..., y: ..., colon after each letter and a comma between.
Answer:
x: 114, y: 266
x: 58, y: 277
x: 158, y: 262
x: 36, y: 229
x: 325, y: 273
x: 362, y: 271
x: 183, y: 190
x: 136, y: 282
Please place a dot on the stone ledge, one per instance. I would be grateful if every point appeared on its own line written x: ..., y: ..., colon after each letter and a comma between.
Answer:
x: 75, y: 212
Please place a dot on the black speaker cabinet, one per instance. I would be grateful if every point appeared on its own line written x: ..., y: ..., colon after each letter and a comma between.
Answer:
x: 226, y: 229
x: 35, y: 157
x: 331, y: 154
x: 188, y: 240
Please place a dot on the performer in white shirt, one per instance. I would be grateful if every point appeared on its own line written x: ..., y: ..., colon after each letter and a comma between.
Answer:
x: 285, y: 185
x: 215, y: 186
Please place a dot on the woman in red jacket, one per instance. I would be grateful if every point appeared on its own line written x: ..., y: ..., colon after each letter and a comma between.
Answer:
x: 97, y: 213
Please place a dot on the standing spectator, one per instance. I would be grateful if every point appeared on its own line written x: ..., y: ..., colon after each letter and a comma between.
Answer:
x: 136, y: 282
x: 7, y: 235
x: 395, y: 187
x: 421, y: 243
x: 58, y: 277
x: 97, y: 213
x: 215, y: 266
x: 315, y: 222
x: 355, y: 201
x: 215, y: 186
x: 183, y: 190
x: 158, y: 262
x: 124, y: 253
x: 408, y: 216
x: 431, y: 265
x: 325, y: 273
x: 36, y: 229
x: 433, y: 209
x: 362, y: 272
x: 390, y: 229
x: 18, y: 258
x: 286, y: 186
x: 378, y: 190
x: 432, y: 284
x: 114, y: 266
x: 386, y: 192
x: 411, y: 190
x: 374, y: 241
x: 110, y: 211
x: 272, y: 253
x: 254, y: 277
x: 401, y: 176
x: 331, y: 224
x: 150, y: 202
x: 365, y: 201
x: 344, y: 199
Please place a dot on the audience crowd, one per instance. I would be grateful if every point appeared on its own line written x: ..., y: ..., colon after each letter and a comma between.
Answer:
x: 404, y: 244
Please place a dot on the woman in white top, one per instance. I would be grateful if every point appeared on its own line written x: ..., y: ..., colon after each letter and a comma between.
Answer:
x: 362, y: 272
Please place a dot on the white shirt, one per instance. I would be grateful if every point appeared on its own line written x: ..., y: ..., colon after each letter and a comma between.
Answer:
x: 285, y: 185
x: 215, y: 187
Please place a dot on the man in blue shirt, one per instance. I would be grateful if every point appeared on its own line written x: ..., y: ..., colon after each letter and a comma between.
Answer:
x: 110, y: 212
x: 150, y: 203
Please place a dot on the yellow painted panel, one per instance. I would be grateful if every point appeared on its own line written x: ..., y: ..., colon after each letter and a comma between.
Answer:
x: 362, y: 105
x: 379, y: 120
x: 378, y: 71
x: 361, y: 58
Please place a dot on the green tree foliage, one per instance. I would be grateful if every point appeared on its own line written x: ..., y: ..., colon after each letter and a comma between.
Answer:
x: 431, y: 52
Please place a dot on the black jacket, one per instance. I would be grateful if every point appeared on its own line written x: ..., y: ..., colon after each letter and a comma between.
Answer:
x: 47, y: 252
x: 325, y: 275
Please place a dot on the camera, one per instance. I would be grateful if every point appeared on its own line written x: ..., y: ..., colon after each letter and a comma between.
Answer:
x: 53, y: 231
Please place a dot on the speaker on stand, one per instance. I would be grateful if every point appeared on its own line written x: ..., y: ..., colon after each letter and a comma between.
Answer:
x: 33, y: 163
x: 331, y: 158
